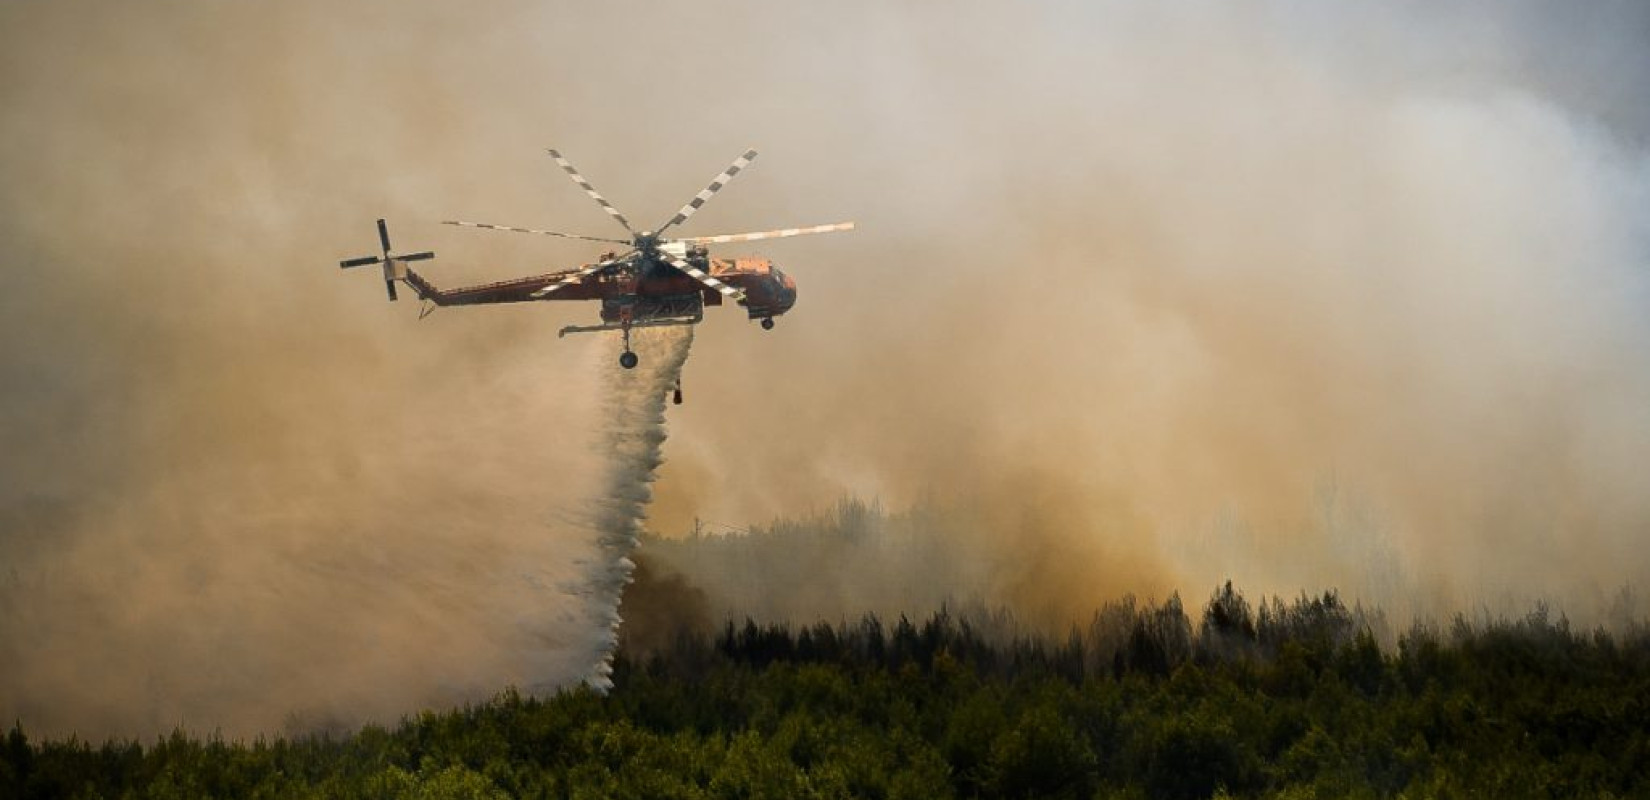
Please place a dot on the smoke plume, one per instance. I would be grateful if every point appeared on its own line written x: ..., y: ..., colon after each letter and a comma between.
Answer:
x: 1144, y: 296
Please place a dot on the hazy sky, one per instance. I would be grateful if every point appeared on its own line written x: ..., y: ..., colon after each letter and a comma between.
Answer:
x: 1304, y: 296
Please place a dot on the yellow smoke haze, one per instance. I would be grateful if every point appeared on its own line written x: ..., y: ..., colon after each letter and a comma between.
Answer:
x: 1303, y: 296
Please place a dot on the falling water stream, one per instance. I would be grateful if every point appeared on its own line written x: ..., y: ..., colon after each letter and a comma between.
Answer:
x: 634, y: 434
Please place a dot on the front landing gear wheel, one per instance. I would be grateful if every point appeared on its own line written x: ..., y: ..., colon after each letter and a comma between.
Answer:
x: 767, y: 323
x: 628, y: 360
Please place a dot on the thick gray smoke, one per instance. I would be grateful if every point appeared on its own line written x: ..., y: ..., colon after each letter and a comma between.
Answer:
x: 634, y: 442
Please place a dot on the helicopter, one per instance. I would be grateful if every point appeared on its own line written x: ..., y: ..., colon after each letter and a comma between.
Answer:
x: 656, y: 282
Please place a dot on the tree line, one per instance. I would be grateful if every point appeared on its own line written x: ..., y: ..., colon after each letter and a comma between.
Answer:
x: 1284, y: 699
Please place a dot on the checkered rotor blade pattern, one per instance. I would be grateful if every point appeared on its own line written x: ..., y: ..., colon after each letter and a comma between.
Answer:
x: 573, y: 173
x: 715, y: 186
x: 773, y: 234
x: 491, y: 227
x: 736, y: 295
x: 582, y: 274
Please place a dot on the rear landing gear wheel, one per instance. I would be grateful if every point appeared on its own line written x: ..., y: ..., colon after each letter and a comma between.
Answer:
x: 767, y: 323
x: 628, y: 360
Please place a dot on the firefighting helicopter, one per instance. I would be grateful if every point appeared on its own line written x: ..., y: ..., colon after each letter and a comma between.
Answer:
x: 656, y: 282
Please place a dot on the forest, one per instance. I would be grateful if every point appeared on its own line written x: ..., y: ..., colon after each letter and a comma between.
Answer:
x: 1274, y: 699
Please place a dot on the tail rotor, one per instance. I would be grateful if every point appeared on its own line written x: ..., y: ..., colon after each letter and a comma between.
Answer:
x: 395, y: 267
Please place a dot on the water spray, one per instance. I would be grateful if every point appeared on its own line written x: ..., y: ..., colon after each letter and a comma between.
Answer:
x: 634, y: 434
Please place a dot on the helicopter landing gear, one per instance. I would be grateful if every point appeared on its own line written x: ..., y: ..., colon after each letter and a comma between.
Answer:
x: 767, y: 323
x: 627, y: 359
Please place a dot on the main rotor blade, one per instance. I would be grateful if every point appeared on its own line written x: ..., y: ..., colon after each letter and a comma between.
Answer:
x: 384, y: 237
x: 359, y: 262
x: 417, y: 257
x: 714, y: 187
x: 591, y: 190
x: 487, y: 226
x: 705, y: 278
x: 773, y: 234
x: 584, y: 273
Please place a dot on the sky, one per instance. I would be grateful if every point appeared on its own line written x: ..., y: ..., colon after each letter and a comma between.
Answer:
x: 1301, y: 296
